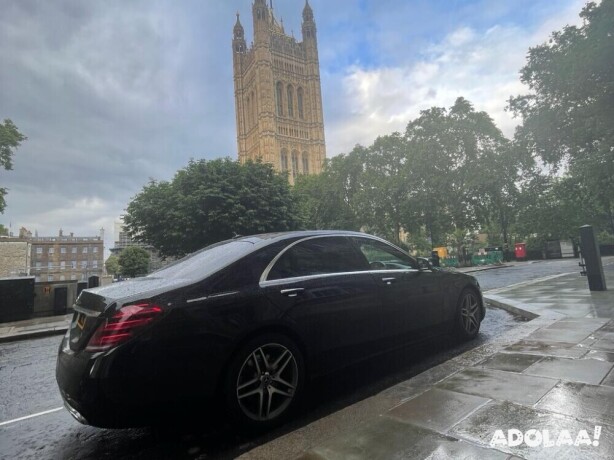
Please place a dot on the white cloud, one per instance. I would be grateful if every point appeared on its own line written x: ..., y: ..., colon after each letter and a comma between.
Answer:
x: 483, y: 67
x: 113, y: 93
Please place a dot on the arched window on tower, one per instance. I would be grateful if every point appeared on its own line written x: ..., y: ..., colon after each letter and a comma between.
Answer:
x: 299, y: 97
x: 305, y: 163
x: 283, y: 161
x: 254, y: 110
x: 279, y: 90
x: 294, y: 164
x: 290, y: 101
x: 249, y: 112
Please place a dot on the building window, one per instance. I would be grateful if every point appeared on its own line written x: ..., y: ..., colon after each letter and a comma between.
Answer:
x: 84, y: 264
x: 62, y: 250
x: 39, y: 250
x: 38, y: 265
x: 95, y: 249
x: 279, y: 99
x: 84, y: 250
x: 73, y: 250
x: 37, y: 279
x: 305, y: 163
x: 94, y: 264
x: 73, y: 264
x: 290, y: 101
x: 284, y: 160
x: 62, y: 278
x: 299, y: 97
x: 73, y: 276
x: 49, y: 277
x: 62, y: 265
x: 254, y: 109
x: 294, y: 164
x: 50, y: 250
x: 49, y: 265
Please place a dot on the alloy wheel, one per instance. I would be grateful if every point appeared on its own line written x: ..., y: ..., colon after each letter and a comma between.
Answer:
x: 470, y: 313
x: 267, y: 382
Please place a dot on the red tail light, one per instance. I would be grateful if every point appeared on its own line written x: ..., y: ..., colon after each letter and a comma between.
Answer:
x: 123, y: 325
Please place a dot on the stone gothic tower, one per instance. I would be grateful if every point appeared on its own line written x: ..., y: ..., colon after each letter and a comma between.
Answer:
x: 278, y: 98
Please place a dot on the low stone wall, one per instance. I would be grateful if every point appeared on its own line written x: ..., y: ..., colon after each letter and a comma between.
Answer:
x: 54, y: 298
x: 14, y: 258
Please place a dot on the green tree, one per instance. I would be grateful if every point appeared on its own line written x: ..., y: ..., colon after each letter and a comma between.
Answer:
x: 568, y: 115
x: 133, y: 261
x: 209, y: 201
x: 384, y: 197
x: 456, y: 167
x: 112, y: 265
x: 328, y: 200
x: 555, y: 207
x: 10, y: 140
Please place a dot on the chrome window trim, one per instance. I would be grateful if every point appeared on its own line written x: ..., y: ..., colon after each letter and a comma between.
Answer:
x: 265, y: 282
x: 298, y: 279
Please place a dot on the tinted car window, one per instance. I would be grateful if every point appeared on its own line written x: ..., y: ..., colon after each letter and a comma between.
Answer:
x: 318, y: 256
x: 383, y: 257
x: 247, y: 271
x: 202, y: 263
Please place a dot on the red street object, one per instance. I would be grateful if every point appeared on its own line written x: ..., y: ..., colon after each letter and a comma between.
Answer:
x: 520, y: 251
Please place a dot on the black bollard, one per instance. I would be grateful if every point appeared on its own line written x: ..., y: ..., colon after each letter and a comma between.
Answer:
x: 589, y: 248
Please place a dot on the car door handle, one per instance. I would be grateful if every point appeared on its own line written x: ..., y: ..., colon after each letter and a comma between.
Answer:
x: 291, y: 292
x: 389, y: 280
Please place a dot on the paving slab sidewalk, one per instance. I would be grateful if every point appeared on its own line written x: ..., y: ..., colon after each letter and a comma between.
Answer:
x: 551, y: 379
x: 36, y: 327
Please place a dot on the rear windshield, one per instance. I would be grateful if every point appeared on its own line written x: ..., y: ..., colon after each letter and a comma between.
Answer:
x: 203, y: 263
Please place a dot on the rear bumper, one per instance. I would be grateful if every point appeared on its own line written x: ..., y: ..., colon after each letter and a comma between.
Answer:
x: 126, y: 388
x: 69, y: 405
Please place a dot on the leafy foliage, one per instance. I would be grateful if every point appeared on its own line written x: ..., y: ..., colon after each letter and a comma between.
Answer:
x: 209, y: 201
x: 448, y: 174
x: 568, y: 117
x: 328, y: 200
x: 112, y: 265
x: 133, y: 261
x: 10, y: 140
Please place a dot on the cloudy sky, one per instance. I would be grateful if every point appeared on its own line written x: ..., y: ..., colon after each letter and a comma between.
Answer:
x: 113, y: 93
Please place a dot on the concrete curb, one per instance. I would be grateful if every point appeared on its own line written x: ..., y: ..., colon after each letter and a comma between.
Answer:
x: 33, y: 334
x: 483, y: 269
x: 491, y: 295
x: 510, y: 308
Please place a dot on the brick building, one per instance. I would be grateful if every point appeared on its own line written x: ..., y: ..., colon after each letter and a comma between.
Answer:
x: 67, y: 257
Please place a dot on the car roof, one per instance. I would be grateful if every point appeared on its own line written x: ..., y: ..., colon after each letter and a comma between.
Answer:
x: 268, y: 238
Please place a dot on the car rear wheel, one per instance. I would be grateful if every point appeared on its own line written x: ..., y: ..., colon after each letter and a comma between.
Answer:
x: 468, y: 315
x: 265, y: 381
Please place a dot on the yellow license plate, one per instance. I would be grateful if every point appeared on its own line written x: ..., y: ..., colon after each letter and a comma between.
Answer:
x: 81, y: 320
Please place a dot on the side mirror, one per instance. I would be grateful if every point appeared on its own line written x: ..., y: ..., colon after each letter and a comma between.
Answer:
x: 424, y: 264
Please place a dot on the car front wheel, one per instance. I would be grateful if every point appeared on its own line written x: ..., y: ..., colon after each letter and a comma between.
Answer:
x: 265, y: 381
x: 468, y: 315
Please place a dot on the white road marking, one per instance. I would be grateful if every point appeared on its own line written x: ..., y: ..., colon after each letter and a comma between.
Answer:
x: 8, y: 422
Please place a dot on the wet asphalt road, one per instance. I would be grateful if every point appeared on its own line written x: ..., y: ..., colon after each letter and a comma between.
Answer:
x: 27, y: 387
x: 502, y: 277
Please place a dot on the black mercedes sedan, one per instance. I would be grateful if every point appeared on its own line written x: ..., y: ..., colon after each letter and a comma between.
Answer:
x: 250, y: 321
